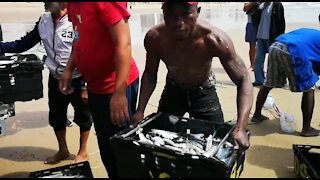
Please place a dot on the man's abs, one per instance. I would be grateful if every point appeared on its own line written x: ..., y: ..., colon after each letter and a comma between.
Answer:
x: 190, y: 80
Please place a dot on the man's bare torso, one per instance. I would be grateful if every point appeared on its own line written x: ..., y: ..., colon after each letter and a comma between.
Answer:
x: 188, y: 61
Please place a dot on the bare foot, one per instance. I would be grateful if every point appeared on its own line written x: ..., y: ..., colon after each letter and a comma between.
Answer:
x: 81, y: 157
x: 311, y: 132
x: 57, y: 157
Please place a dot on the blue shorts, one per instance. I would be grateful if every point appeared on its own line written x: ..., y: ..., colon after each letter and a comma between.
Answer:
x: 280, y: 68
x: 251, y: 33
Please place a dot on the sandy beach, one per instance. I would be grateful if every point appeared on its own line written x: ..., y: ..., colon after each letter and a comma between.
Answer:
x: 30, y: 139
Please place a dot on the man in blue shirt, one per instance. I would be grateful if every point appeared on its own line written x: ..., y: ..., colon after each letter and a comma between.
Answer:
x: 296, y: 56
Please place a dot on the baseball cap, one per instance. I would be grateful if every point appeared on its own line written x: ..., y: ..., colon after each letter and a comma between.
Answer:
x: 190, y: 3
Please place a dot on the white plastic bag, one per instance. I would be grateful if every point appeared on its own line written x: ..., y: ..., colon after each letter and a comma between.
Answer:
x: 287, y: 123
x: 269, y: 102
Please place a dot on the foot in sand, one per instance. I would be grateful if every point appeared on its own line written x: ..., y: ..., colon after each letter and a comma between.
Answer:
x: 257, y: 119
x: 81, y: 157
x: 311, y: 132
x: 57, y: 157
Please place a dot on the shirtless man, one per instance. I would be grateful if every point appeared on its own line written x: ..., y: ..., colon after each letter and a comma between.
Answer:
x: 187, y: 47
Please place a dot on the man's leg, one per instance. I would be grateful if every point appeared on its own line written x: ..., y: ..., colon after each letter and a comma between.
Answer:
x: 252, y: 54
x: 58, y: 104
x: 205, y: 105
x: 63, y: 152
x: 100, y: 110
x: 261, y: 99
x: 259, y: 63
x: 250, y: 37
x: 276, y: 77
x: 307, y: 105
x: 83, y: 153
x: 82, y: 118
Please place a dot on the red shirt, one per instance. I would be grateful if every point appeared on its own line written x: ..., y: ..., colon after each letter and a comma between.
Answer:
x: 93, y: 47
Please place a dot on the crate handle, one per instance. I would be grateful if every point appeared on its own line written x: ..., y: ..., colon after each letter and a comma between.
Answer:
x: 213, y: 151
x: 143, y: 123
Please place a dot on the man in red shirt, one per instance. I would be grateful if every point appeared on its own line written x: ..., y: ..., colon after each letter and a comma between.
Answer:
x: 102, y: 54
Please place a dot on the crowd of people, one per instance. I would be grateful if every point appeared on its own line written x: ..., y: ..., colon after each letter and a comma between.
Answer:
x: 292, y: 56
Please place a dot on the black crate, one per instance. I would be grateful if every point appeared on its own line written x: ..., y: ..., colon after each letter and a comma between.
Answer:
x: 1, y: 38
x: 306, y: 162
x: 77, y: 170
x: 20, y: 63
x: 20, y: 78
x: 143, y: 160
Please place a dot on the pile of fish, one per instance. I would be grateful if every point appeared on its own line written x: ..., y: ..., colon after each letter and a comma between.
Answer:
x: 187, y: 143
x: 63, y: 175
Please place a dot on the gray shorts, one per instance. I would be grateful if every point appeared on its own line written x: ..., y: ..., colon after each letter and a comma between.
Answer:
x: 280, y: 68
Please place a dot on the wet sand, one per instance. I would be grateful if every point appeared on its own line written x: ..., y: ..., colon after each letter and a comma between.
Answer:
x: 30, y: 139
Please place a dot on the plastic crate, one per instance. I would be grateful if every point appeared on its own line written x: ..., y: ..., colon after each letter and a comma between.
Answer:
x: 20, y: 78
x: 306, y: 162
x: 77, y: 170
x: 137, y: 160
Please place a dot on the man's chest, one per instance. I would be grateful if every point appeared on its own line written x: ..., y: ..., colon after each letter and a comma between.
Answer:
x: 192, y: 54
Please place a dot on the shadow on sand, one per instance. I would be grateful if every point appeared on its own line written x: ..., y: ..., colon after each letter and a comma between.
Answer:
x: 26, y: 120
x: 278, y: 159
x: 27, y: 153
x: 16, y: 175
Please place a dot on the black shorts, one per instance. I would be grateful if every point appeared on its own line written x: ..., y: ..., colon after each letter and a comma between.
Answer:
x: 201, y: 102
x: 251, y: 33
x: 58, y: 105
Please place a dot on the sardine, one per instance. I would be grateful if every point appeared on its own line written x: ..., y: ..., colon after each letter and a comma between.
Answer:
x: 209, y: 142
x: 164, y: 134
x: 178, y: 145
x: 143, y: 139
x: 212, y: 151
x: 173, y: 148
x: 158, y: 141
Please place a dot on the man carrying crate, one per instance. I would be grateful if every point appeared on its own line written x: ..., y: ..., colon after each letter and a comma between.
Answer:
x: 187, y: 47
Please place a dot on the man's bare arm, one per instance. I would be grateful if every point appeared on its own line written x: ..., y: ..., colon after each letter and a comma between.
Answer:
x: 238, y: 73
x: 120, y: 35
x: 66, y: 78
x: 149, y: 77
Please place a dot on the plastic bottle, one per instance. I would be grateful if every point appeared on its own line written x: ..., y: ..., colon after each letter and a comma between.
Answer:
x: 287, y: 123
x: 269, y: 102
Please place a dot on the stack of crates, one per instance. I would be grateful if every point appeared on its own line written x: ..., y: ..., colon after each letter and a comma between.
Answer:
x: 139, y: 160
